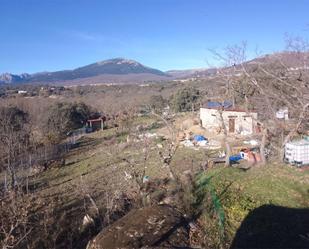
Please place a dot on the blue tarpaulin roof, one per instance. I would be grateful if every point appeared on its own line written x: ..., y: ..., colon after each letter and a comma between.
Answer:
x: 216, y: 104
x: 198, y: 138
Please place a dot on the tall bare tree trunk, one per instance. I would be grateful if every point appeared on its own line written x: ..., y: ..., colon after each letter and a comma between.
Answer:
x: 262, y: 146
x: 228, y: 150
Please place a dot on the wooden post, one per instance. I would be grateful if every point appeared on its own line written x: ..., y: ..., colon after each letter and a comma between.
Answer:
x: 102, y: 124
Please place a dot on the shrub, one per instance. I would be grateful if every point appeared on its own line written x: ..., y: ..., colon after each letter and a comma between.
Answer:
x: 185, y: 99
x: 157, y: 103
x: 64, y: 117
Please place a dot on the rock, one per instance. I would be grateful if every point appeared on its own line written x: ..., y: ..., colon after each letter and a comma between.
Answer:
x: 147, y: 227
x: 87, y: 222
x: 139, y: 128
x: 128, y: 139
x: 36, y: 169
x: 160, y: 146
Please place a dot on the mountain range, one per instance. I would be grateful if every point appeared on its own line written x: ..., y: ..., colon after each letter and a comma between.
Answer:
x: 120, y: 70
x: 113, y: 70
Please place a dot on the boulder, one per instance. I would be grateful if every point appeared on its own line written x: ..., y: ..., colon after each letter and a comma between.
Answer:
x: 148, y: 227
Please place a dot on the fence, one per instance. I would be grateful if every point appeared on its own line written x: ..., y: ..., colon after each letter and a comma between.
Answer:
x: 27, y: 164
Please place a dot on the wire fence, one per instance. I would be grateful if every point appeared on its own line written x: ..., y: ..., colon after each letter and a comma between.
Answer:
x: 38, y: 160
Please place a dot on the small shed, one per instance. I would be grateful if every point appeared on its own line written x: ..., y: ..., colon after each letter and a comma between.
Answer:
x: 237, y: 121
x: 283, y: 113
x: 97, y: 123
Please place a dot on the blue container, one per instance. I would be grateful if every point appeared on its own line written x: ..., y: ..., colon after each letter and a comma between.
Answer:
x: 235, y: 158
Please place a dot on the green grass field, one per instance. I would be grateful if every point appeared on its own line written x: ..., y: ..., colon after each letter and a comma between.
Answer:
x: 243, y: 192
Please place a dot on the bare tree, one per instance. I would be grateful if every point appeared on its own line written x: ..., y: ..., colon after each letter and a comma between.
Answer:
x: 279, y: 81
x: 14, y: 138
x: 230, y: 58
x: 15, y: 224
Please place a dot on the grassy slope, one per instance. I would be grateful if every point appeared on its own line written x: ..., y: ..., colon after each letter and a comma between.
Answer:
x: 98, y: 166
x: 241, y: 191
x: 275, y: 184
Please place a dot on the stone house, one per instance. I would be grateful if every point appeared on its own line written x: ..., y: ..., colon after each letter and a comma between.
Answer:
x: 236, y: 121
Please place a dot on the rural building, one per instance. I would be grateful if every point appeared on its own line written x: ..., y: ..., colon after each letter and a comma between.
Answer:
x: 96, y: 124
x: 22, y: 92
x: 236, y: 121
x: 283, y: 113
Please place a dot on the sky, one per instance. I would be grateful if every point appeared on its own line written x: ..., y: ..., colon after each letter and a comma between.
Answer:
x: 50, y: 35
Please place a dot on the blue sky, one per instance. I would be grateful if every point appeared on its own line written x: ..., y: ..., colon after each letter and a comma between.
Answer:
x: 48, y: 35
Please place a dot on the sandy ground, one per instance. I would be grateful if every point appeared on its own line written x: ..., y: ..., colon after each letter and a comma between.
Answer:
x: 188, y: 124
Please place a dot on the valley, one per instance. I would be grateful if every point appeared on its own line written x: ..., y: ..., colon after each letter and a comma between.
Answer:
x: 163, y: 124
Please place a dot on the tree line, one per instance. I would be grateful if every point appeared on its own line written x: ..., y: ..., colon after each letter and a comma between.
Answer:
x: 18, y: 133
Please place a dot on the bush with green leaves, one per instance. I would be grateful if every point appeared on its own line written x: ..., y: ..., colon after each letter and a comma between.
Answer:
x: 64, y: 117
x: 185, y: 99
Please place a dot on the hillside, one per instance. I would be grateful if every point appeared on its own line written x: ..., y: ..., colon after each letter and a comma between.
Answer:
x: 102, y: 166
x: 185, y: 72
x: 290, y: 60
x: 166, y: 125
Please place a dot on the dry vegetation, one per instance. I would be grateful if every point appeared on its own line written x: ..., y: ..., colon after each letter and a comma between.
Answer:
x: 67, y: 196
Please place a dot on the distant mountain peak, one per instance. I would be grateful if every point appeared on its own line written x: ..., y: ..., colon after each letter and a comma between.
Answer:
x: 119, y: 61
x: 116, y: 67
x: 7, y: 78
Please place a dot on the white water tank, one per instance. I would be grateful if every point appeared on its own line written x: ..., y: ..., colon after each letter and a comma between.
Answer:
x: 297, y: 152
